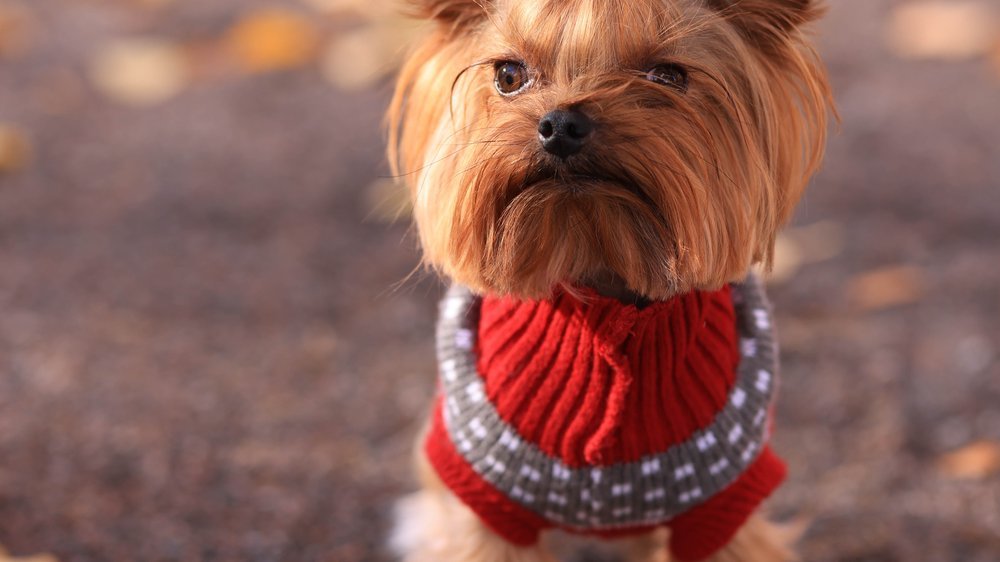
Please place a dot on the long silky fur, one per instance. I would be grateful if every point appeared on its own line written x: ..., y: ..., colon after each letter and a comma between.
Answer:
x: 676, y: 191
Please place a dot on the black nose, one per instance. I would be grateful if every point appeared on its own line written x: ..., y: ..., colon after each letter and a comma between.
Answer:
x: 564, y: 132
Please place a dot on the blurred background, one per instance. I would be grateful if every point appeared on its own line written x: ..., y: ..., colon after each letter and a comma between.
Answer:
x: 211, y: 348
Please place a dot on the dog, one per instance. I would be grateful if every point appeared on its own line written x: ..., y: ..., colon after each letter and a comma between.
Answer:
x: 599, y: 180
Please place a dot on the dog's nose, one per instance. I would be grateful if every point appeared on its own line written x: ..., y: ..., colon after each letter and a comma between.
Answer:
x: 564, y: 132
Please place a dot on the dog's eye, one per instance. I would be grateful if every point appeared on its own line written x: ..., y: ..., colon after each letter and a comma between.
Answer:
x: 673, y: 75
x: 511, y: 77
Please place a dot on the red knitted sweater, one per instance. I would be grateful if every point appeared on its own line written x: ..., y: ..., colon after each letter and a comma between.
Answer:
x: 593, y: 384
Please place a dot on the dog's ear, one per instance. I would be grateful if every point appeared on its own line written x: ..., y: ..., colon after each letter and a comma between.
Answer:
x: 768, y: 16
x: 453, y: 13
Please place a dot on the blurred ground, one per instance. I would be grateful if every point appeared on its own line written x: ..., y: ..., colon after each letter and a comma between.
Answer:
x: 207, y: 353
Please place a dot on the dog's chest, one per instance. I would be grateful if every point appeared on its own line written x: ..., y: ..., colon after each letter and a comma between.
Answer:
x: 595, y: 414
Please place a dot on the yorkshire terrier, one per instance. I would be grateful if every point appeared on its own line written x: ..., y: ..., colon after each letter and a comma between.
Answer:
x: 599, y: 178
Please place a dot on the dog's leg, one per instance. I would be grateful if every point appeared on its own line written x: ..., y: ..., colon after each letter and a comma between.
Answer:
x: 761, y: 541
x: 651, y: 547
x: 432, y: 525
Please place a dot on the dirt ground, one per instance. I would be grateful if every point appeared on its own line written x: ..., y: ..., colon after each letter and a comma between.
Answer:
x: 210, y: 348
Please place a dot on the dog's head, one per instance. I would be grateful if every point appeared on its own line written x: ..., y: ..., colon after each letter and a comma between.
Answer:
x: 663, y: 142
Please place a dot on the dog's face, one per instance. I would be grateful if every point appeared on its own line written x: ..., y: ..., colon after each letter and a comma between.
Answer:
x: 662, y: 142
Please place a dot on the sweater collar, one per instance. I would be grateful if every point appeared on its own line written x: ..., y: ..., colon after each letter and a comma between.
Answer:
x: 511, y: 458
x: 628, y: 367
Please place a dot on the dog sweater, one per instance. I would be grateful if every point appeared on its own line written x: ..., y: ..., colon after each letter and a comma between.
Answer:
x: 596, y: 417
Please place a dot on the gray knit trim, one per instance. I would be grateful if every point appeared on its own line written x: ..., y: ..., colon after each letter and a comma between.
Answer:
x: 649, y: 491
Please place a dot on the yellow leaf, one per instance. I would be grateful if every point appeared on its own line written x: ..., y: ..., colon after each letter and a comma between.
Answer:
x: 273, y: 39
x: 787, y: 259
x: 943, y: 30
x: 35, y: 558
x: 887, y: 287
x: 373, y: 10
x: 975, y: 461
x: 140, y: 72
x: 804, y: 245
x: 14, y: 149
x: 357, y: 59
x: 338, y: 5
x: 6, y: 557
x: 820, y: 241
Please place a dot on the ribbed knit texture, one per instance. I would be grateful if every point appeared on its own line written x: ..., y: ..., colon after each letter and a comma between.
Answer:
x: 695, y: 535
x: 594, y: 382
x: 699, y: 533
x: 598, y: 386
x: 508, y: 519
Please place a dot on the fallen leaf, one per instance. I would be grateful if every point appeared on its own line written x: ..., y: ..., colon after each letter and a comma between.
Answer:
x: 804, y: 245
x: 943, y: 30
x: 35, y: 558
x: 363, y: 7
x: 6, y: 557
x: 787, y: 259
x: 887, y: 287
x: 355, y: 61
x: 820, y: 241
x: 273, y: 39
x: 378, y: 11
x: 14, y: 149
x: 976, y: 461
x: 139, y: 72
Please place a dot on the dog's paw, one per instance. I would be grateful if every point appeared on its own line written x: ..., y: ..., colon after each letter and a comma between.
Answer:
x: 412, y: 524
x: 433, y: 526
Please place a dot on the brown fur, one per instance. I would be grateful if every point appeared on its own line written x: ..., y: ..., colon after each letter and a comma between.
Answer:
x: 676, y: 190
